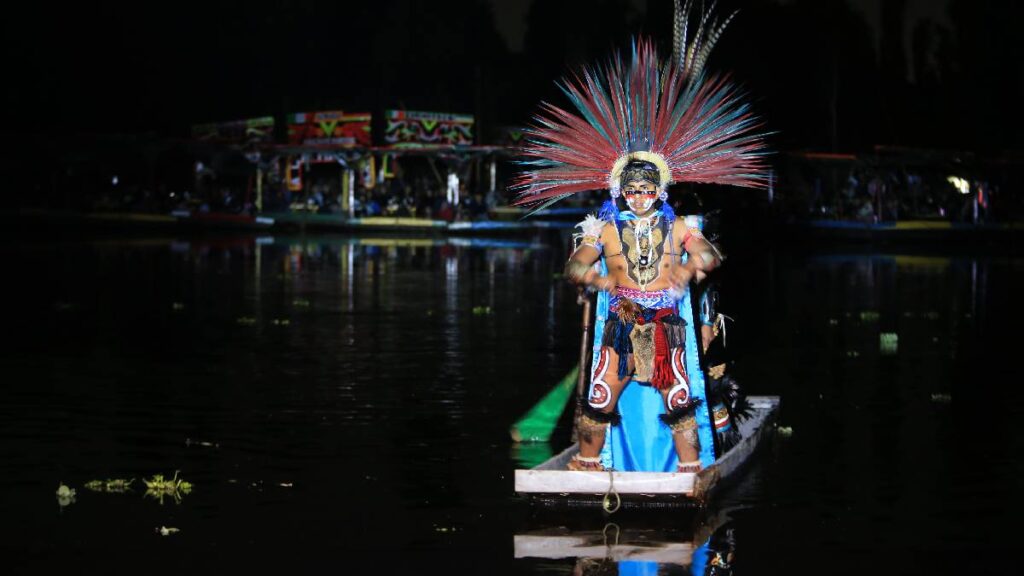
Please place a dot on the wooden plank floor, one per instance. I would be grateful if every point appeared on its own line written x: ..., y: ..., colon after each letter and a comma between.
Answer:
x: 551, y: 477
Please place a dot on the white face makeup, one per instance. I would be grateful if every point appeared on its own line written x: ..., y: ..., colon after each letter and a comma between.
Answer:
x: 640, y: 196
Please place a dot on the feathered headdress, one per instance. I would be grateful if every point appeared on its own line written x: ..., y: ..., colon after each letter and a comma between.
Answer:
x: 692, y: 127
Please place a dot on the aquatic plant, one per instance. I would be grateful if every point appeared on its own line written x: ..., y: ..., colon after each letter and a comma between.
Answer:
x: 65, y: 495
x: 159, y: 488
x: 110, y: 485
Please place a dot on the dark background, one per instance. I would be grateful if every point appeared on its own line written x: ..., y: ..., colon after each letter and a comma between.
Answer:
x: 828, y: 74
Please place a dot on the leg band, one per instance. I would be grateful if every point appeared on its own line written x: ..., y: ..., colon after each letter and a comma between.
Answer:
x: 598, y: 417
x: 585, y: 464
x: 692, y: 467
x: 685, y: 423
x: 675, y: 416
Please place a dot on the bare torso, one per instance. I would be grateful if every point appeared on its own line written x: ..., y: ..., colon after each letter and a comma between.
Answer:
x: 642, y: 261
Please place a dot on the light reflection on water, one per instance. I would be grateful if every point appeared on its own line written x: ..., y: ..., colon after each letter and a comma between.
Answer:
x: 357, y: 373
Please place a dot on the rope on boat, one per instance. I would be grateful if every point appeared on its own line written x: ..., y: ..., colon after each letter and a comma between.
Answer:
x: 606, y: 503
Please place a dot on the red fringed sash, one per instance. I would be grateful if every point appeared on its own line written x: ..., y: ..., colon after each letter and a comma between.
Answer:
x: 662, y: 377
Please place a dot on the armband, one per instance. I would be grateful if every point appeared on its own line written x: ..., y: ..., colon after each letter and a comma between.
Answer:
x: 575, y: 269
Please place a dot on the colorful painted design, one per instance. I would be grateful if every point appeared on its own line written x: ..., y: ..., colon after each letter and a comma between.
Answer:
x: 600, y: 392
x: 414, y: 128
x: 655, y: 299
x: 643, y: 249
x: 331, y: 128
x: 509, y: 136
x: 600, y: 395
x: 239, y: 132
x: 722, y: 422
x: 678, y: 367
x: 679, y: 396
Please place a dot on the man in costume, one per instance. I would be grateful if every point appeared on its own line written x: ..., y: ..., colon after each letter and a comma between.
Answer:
x: 726, y: 399
x: 643, y: 125
x: 644, y: 335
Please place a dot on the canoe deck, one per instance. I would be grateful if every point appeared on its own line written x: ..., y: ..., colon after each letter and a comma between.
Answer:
x: 550, y: 482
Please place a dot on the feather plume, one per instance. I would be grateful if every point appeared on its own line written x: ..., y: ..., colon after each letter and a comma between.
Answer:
x: 591, y: 226
x: 701, y: 126
x: 678, y: 30
x: 692, y: 57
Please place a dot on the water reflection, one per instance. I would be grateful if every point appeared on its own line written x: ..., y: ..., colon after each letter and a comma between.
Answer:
x: 885, y: 363
x: 350, y: 380
x: 628, y: 547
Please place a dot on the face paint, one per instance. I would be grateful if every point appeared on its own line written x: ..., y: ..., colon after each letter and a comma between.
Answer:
x: 640, y: 203
x: 640, y: 196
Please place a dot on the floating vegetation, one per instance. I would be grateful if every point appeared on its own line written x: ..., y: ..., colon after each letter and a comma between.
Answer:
x: 941, y: 398
x: 65, y: 495
x: 159, y: 488
x: 482, y: 310
x: 110, y: 485
x: 167, y: 530
x: 300, y: 303
x: 869, y: 316
x: 281, y: 322
x: 888, y: 343
x: 246, y: 321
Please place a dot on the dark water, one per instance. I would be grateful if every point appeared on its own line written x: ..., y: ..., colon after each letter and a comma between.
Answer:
x: 343, y: 404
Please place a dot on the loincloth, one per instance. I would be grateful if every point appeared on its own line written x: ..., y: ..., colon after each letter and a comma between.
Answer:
x: 653, y: 337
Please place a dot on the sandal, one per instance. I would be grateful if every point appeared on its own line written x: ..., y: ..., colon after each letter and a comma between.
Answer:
x: 584, y: 464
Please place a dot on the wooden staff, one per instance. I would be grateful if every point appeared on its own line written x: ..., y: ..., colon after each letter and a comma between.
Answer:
x: 584, y: 299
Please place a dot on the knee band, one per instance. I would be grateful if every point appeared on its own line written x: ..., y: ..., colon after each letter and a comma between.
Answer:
x: 594, y: 418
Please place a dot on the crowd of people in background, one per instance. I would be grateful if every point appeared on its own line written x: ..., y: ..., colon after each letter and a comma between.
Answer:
x: 853, y: 193
x: 396, y: 197
x: 875, y: 195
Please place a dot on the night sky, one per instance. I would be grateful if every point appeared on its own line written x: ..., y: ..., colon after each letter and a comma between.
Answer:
x: 826, y: 74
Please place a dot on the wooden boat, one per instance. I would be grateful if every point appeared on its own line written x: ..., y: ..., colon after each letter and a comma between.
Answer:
x: 551, y: 483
